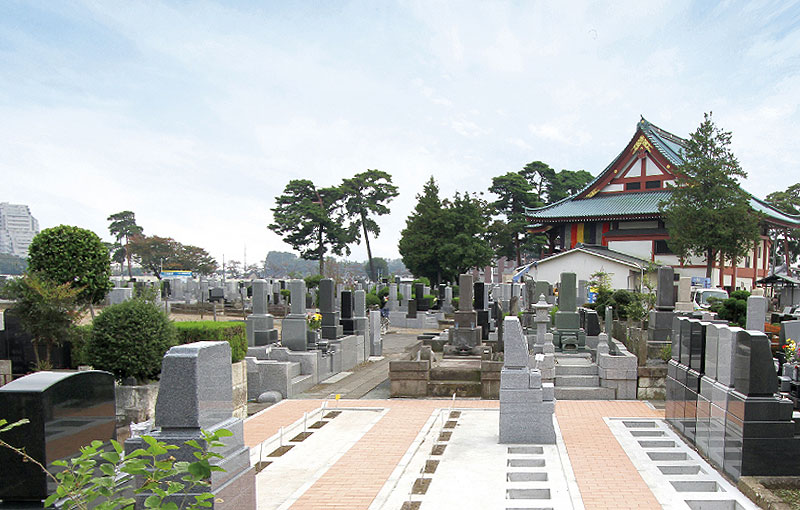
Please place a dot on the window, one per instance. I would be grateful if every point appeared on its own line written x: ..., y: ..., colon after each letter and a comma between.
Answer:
x: 747, y: 262
x: 652, y: 184
x: 633, y: 185
x: 661, y: 248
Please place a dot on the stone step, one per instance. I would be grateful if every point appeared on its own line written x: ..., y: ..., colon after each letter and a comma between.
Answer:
x: 455, y: 374
x: 300, y: 383
x: 460, y: 388
x: 576, y: 369
x: 578, y: 393
x: 294, y: 369
x: 581, y: 381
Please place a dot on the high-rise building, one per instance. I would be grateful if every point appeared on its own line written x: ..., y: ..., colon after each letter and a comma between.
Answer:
x: 17, y: 229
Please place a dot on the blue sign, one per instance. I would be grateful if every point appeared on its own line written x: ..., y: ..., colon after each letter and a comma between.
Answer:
x: 701, y: 281
x: 174, y: 273
x: 591, y: 296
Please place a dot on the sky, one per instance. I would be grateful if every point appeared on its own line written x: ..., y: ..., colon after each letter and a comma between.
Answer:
x: 195, y: 115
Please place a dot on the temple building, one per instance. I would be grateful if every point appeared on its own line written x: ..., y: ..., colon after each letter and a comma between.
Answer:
x: 619, y: 209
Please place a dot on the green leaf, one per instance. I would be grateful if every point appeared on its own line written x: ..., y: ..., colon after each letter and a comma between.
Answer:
x: 152, y: 502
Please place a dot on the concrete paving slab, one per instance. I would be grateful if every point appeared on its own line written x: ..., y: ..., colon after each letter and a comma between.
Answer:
x: 676, y: 474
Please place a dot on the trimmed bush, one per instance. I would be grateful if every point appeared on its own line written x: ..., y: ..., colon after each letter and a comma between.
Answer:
x: 130, y: 339
x: 372, y: 300
x: 232, y: 332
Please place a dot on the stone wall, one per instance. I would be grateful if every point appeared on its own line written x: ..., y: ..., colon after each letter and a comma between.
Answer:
x: 652, y: 383
x: 134, y: 404
x: 239, y: 373
x: 409, y: 378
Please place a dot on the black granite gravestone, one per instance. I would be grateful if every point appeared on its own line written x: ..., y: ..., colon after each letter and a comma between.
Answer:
x: 67, y: 410
x: 347, y: 321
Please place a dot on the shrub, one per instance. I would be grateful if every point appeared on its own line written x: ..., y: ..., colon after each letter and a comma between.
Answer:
x: 733, y: 309
x: 129, y: 340
x: 79, y: 337
x: 197, y: 331
x: 313, y: 280
x: 372, y: 299
x: 455, y: 303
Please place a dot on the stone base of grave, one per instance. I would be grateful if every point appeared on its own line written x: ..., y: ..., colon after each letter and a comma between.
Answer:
x: 294, y: 332
x: 569, y: 340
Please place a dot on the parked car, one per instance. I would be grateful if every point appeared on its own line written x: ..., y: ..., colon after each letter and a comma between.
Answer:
x: 700, y: 297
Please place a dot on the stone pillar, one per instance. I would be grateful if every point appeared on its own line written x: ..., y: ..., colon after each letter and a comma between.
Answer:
x: 260, y: 325
x: 196, y: 394
x: 294, y: 328
x: 659, y: 325
x: 684, y: 303
x: 466, y: 335
x: 756, y: 313
x: 375, y: 340
x: 526, y: 404
x: 448, y: 300
x: 331, y: 329
x: 392, y: 298
x: 360, y: 313
x: 347, y: 322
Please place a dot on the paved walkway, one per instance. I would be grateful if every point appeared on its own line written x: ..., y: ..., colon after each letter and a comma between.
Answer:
x: 605, y: 476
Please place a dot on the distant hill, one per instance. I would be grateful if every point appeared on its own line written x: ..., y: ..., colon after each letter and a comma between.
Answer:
x: 281, y: 264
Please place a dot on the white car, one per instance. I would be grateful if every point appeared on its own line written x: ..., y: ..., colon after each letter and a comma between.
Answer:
x: 700, y: 297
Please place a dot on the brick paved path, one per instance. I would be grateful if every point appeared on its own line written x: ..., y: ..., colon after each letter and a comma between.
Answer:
x: 355, y: 479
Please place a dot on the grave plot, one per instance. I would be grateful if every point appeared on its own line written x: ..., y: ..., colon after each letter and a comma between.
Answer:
x: 292, y: 460
x: 676, y: 474
x: 457, y: 463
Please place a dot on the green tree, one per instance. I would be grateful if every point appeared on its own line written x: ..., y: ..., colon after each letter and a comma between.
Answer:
x: 379, y: 266
x: 708, y: 214
x: 789, y: 202
x: 444, y: 238
x: 312, y: 221
x: 540, y: 176
x: 123, y: 226
x: 45, y: 309
x: 567, y: 183
x: 514, y: 193
x: 367, y: 194
x: 156, y: 253
x: 66, y: 254
x: 418, y: 241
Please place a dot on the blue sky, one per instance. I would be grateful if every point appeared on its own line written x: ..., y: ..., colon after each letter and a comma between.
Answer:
x: 195, y: 115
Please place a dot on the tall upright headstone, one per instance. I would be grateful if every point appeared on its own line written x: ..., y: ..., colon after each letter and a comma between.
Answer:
x: 360, y: 313
x: 659, y: 327
x: 568, y: 334
x: 526, y: 404
x: 347, y: 322
x: 375, y: 340
x: 294, y: 328
x: 331, y: 329
x: 466, y: 335
x: 260, y: 325
x: 684, y: 303
x: 756, y: 313
x: 391, y: 302
x: 196, y: 395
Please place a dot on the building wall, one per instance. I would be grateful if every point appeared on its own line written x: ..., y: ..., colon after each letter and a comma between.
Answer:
x: 642, y: 249
x: 583, y: 265
x: 17, y: 229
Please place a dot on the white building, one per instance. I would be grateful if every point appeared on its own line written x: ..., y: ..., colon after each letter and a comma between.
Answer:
x: 17, y: 229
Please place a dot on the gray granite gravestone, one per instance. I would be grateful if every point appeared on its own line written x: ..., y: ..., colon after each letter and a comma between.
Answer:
x: 195, y: 394
x: 756, y: 313
x: 568, y: 334
x: 260, y: 324
x: 294, y: 327
x: 659, y: 326
x: 754, y: 371
x: 466, y: 335
x: 375, y: 340
x: 526, y: 404
x: 684, y: 303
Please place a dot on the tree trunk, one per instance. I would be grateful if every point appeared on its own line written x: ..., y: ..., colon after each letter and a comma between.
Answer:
x: 128, y: 256
x: 710, y: 262
x: 369, y: 251
x: 321, y: 254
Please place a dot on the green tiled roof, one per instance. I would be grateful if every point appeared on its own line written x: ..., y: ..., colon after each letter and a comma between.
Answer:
x: 611, y: 205
x: 633, y: 204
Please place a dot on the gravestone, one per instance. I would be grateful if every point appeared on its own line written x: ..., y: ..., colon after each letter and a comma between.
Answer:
x: 526, y: 404
x: 294, y: 328
x: 195, y: 394
x: 422, y: 303
x: 754, y: 372
x: 466, y: 335
x: 684, y: 303
x: 260, y: 325
x: 391, y: 303
x: 67, y: 410
x: 347, y: 321
x: 582, y: 294
x: 375, y: 340
x: 568, y: 336
x: 543, y: 288
x: 659, y: 326
x: 756, y: 313
x: 331, y: 329
x: 448, y: 300
x: 360, y: 314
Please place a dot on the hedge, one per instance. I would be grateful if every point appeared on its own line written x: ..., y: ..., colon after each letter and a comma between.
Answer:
x: 232, y: 332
